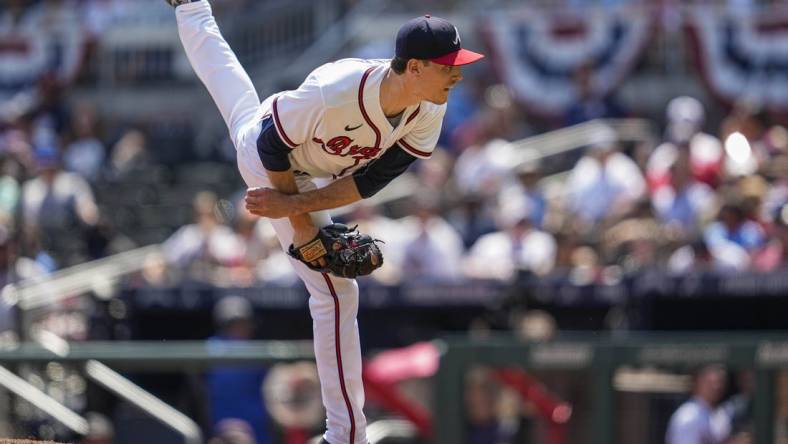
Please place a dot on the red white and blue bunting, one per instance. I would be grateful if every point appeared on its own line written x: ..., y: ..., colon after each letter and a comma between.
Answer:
x: 536, y: 53
x: 742, y: 58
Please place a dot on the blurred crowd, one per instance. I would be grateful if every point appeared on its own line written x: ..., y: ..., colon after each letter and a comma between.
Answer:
x: 706, y: 198
x: 696, y: 202
x: 710, y: 196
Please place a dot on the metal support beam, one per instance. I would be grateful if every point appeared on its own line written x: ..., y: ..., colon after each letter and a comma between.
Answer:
x: 146, y: 402
x: 42, y: 401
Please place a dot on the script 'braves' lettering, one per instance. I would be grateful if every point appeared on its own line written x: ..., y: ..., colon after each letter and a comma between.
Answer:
x: 341, y: 146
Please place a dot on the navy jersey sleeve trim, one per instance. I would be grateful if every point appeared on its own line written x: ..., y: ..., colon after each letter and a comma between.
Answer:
x: 273, y: 152
x: 380, y: 172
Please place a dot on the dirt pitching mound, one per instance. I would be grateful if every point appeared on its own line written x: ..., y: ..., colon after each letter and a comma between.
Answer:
x: 24, y: 441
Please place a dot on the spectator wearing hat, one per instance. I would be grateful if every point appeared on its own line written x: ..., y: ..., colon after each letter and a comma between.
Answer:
x: 234, y: 392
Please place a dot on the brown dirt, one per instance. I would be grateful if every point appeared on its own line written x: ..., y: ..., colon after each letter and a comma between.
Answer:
x: 24, y: 441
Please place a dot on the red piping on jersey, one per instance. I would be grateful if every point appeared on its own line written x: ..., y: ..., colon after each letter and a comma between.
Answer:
x: 342, y: 173
x: 364, y: 110
x: 338, y: 350
x: 279, y: 126
x: 412, y: 116
x: 411, y: 149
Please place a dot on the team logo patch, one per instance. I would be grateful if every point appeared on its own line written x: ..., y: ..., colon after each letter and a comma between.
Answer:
x: 343, y: 146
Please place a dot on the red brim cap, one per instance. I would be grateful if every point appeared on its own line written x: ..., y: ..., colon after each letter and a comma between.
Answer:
x: 459, y: 57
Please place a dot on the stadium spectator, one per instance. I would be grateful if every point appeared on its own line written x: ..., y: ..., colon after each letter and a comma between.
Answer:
x: 435, y: 253
x: 85, y: 153
x: 481, y: 168
x: 733, y: 228
x: 739, y: 407
x: 235, y: 392
x: 369, y: 220
x: 516, y: 247
x: 533, y: 326
x: 696, y: 257
x: 634, y: 242
x: 130, y: 156
x: 684, y: 202
x: 684, y: 137
x: 100, y: 429
x: 481, y: 396
x: 472, y: 217
x: 604, y: 183
x: 255, y: 248
x: 524, y: 191
x: 233, y: 431
x: 56, y: 208
x: 698, y: 420
x: 10, y: 192
x: 774, y: 255
x: 198, y: 248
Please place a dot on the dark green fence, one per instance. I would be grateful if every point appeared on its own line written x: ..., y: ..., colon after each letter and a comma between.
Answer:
x: 597, y: 358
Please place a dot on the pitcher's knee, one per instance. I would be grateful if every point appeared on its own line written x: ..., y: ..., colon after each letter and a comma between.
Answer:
x: 345, y: 291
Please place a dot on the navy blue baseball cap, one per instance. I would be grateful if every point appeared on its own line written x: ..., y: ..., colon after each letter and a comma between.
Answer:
x: 434, y: 39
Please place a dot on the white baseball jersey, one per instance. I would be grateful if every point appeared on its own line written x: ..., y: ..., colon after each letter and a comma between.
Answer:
x: 334, y: 122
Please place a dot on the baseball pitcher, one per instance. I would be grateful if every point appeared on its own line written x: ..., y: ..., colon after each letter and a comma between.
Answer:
x: 358, y: 122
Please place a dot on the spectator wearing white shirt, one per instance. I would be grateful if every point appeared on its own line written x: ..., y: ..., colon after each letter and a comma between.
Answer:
x: 604, y: 183
x: 518, y: 246
x: 698, y: 421
x: 198, y: 248
x: 436, y: 251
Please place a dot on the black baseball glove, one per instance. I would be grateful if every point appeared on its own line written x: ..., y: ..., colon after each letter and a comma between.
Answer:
x: 347, y: 252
